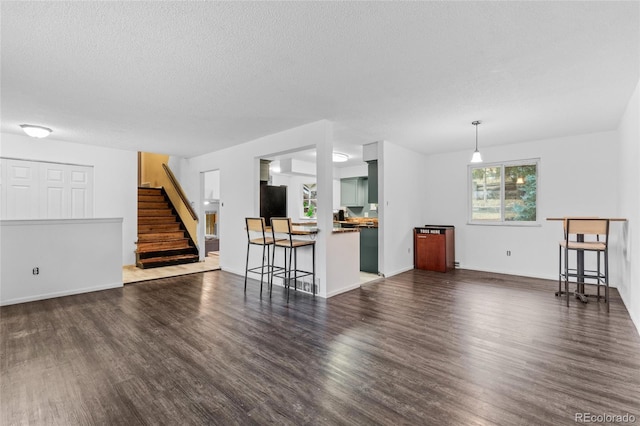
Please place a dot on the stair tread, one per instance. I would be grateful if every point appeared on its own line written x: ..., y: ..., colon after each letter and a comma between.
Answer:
x: 177, y: 239
x: 153, y: 213
x: 172, y: 239
x: 176, y: 257
x: 153, y: 239
x: 164, y: 249
x: 144, y: 221
x: 174, y: 242
x: 159, y: 262
x: 164, y: 232
x: 162, y: 240
x: 158, y: 205
x: 157, y: 228
x: 146, y: 248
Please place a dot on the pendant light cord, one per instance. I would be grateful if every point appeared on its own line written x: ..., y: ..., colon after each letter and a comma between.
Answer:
x: 476, y: 123
x: 477, y: 136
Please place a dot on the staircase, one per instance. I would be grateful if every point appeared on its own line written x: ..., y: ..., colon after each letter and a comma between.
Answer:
x: 162, y: 238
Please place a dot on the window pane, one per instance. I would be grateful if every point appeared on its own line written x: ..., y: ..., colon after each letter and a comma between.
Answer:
x: 309, y: 203
x: 485, y: 193
x: 520, y: 190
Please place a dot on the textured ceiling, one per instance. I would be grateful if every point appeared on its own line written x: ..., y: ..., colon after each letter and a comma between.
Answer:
x: 186, y: 78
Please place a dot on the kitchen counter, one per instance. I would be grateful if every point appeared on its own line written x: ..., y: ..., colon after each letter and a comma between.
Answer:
x: 297, y: 230
x: 343, y: 230
x: 357, y: 224
x: 312, y: 230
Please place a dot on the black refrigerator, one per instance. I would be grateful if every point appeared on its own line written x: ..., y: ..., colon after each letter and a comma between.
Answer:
x: 273, y: 202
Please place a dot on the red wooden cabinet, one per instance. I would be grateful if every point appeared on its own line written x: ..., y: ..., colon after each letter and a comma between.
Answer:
x: 434, y: 248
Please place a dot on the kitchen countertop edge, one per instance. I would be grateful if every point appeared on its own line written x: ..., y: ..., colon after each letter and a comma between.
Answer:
x: 345, y: 230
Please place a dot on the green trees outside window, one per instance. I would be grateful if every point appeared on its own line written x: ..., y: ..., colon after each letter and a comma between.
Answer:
x: 309, y: 199
x: 505, y: 192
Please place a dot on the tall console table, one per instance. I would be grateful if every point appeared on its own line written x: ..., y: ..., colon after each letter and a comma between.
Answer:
x: 580, y: 294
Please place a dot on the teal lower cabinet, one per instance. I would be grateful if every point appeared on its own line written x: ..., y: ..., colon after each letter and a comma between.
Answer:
x: 369, y: 250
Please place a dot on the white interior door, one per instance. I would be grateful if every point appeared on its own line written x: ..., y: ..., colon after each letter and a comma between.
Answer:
x: 54, y: 191
x: 22, y: 190
x: 42, y: 190
x: 81, y: 188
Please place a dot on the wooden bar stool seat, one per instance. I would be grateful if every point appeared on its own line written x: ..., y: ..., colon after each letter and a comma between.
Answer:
x: 256, y: 236
x: 281, y: 226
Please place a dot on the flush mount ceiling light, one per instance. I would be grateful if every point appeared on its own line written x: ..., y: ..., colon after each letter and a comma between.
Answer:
x: 477, y: 158
x: 36, y: 131
x: 339, y: 157
x: 274, y: 167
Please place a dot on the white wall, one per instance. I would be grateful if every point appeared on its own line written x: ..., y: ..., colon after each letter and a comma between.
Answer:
x: 212, y: 185
x: 68, y: 261
x: 336, y: 194
x: 353, y: 171
x: 401, y: 207
x: 576, y: 177
x: 115, y: 178
x: 239, y: 190
x: 628, y: 256
x: 345, y: 251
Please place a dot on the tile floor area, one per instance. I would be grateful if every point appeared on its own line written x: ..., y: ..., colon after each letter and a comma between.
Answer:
x: 133, y: 274
x: 366, y: 277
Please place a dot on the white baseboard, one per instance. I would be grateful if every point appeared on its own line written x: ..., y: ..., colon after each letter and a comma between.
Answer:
x: 343, y: 290
x: 396, y: 272
x: 59, y: 294
x: 516, y: 273
x: 634, y: 319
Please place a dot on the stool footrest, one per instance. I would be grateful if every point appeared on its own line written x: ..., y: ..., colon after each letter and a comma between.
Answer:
x: 297, y: 273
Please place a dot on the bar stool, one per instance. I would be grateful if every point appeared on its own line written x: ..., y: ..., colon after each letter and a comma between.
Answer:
x: 593, y: 229
x: 282, y: 226
x: 256, y: 237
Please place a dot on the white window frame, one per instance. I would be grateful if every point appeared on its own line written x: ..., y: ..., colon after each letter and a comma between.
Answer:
x: 502, y: 165
x: 315, y: 211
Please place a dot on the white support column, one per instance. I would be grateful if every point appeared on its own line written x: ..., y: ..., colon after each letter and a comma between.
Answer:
x: 324, y: 214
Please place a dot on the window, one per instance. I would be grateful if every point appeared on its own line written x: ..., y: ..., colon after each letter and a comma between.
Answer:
x: 504, y: 193
x: 309, y: 199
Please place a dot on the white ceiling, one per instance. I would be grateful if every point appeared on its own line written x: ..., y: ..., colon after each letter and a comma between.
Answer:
x: 186, y: 78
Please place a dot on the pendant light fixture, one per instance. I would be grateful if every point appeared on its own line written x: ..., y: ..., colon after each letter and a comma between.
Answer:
x: 477, y: 158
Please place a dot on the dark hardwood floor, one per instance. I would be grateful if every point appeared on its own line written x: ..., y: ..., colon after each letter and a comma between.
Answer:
x: 420, y: 348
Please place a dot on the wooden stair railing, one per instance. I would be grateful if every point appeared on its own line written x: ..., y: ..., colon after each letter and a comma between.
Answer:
x: 180, y: 191
x: 174, y: 191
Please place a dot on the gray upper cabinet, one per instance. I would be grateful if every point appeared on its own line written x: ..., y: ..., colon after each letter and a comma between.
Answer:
x: 353, y: 192
x: 373, y: 182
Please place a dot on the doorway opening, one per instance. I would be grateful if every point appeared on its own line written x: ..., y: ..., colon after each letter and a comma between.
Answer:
x: 211, y: 213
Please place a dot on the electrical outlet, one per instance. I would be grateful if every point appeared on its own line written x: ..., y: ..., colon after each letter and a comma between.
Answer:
x: 36, y: 271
